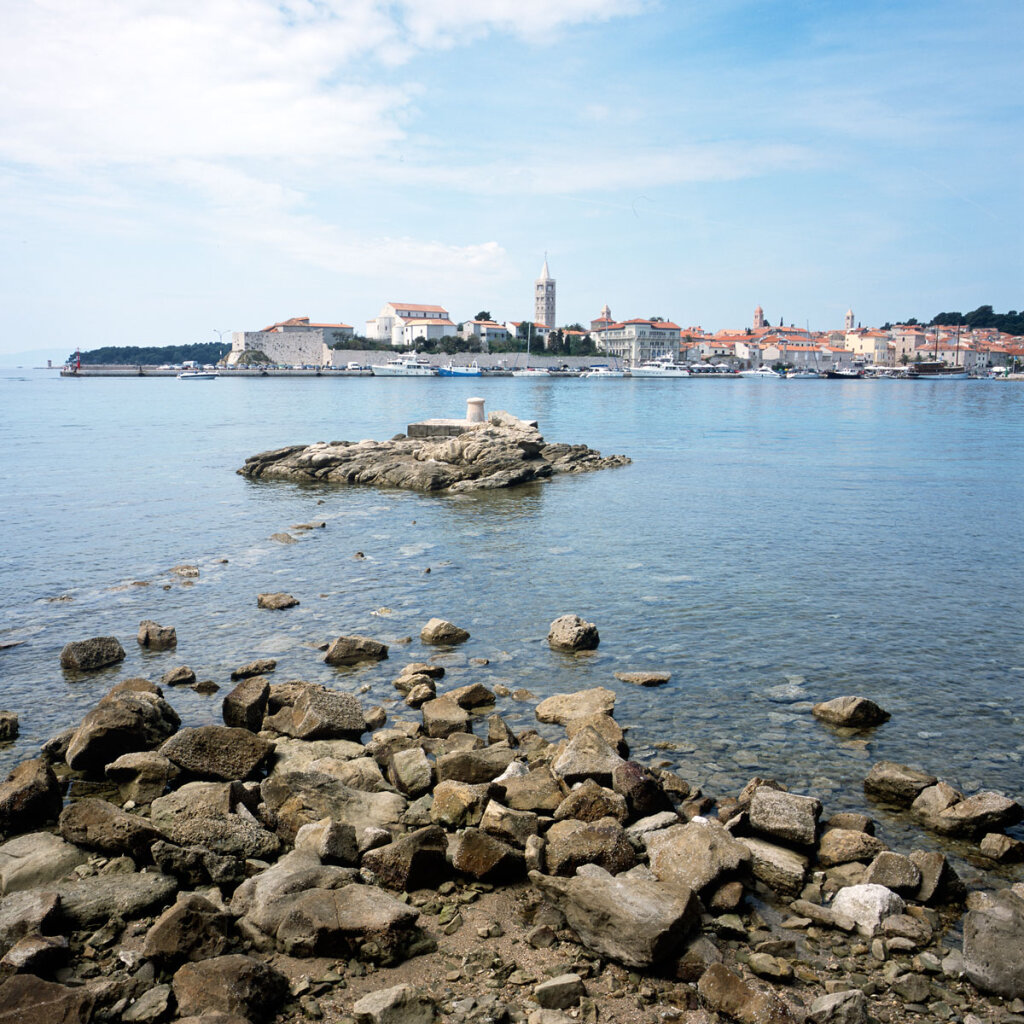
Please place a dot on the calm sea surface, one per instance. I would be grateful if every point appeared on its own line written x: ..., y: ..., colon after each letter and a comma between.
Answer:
x: 772, y: 545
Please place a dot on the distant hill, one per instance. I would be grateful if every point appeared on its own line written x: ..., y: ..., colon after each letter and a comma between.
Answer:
x: 1009, y: 323
x: 154, y: 355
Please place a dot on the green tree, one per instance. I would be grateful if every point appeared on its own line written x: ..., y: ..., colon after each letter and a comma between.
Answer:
x: 484, y: 314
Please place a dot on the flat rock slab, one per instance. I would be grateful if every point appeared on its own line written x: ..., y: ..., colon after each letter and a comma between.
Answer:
x: 502, y: 452
x: 644, y: 678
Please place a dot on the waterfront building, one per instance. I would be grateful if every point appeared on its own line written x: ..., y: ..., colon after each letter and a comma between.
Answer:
x: 637, y: 341
x: 544, y: 298
x: 294, y: 342
x: 485, y: 330
x: 390, y: 324
x: 538, y: 332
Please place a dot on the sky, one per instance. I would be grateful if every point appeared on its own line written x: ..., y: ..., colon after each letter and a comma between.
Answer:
x: 173, y: 170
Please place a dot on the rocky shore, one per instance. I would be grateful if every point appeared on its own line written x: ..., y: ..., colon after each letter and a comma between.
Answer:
x: 501, y: 452
x: 316, y: 859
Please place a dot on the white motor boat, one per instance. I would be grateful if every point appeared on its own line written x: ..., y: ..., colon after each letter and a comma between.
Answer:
x: 663, y: 366
x: 802, y: 375
x: 761, y: 373
x: 405, y: 366
x: 537, y: 372
x: 197, y: 375
x: 603, y: 372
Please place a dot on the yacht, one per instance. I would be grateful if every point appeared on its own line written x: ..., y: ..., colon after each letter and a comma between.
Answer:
x: 405, y: 366
x: 536, y: 372
x: 602, y: 372
x: 663, y: 366
x: 761, y: 373
x: 452, y: 370
x: 802, y: 375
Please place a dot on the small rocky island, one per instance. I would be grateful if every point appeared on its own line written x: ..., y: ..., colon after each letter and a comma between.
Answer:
x: 448, y: 455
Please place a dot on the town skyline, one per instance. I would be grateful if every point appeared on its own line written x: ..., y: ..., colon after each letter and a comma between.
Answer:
x: 181, y: 173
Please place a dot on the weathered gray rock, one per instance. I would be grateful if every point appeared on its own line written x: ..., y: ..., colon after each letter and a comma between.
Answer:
x: 850, y: 1007
x: 150, y: 1007
x: 411, y: 772
x: 781, y: 869
x: 30, y: 796
x: 142, y: 776
x: 88, y: 902
x: 192, y: 929
x: 99, y: 825
x: 842, y: 845
x: 587, y: 756
x: 321, y: 714
x: 570, y: 844
x: 473, y: 695
x: 561, y: 992
x: 277, y: 601
x: 1001, y: 848
x: 867, y: 905
x: 350, y: 650
x: 785, y: 816
x: 605, y: 726
x: 644, y: 678
x: 895, y: 872
x: 474, y: 766
x: 562, y: 708
x: 123, y: 722
x: 537, y: 791
x: 978, y: 814
x: 939, y: 881
x: 401, y: 1004
x: 298, y: 798
x: 259, y: 667
x: 590, y: 802
x: 233, y: 984
x: 156, y: 637
x: 22, y: 913
x: 440, y: 631
x: 933, y: 800
x: 413, y: 861
x: 994, y: 945
x: 725, y: 992
x: 330, y: 841
x: 509, y: 825
x: 697, y: 856
x: 851, y: 712
x: 195, y: 866
x: 458, y: 804
x: 245, y: 706
x: 897, y: 784
x: 571, y: 633
x: 35, y: 954
x: 36, y: 860
x: 26, y: 999
x: 485, y: 857
x: 502, y: 452
x: 642, y: 790
x: 217, y: 752
x: 89, y: 655
x: 822, y: 915
x: 634, y: 921
x: 443, y: 717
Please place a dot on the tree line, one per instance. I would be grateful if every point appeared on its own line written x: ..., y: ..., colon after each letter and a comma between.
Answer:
x: 153, y: 355
x: 984, y: 316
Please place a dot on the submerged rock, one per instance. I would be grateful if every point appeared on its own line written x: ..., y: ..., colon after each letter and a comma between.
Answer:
x: 89, y: 655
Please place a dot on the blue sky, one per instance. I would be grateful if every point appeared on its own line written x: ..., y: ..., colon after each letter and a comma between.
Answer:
x: 170, y: 169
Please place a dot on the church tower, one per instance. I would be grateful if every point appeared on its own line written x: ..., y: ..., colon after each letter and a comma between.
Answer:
x: 544, y: 298
x: 849, y: 319
x: 759, y: 319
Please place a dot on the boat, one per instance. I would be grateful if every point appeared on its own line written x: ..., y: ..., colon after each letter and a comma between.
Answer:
x: 601, y: 371
x: 532, y: 371
x: 197, y: 375
x: 663, y: 366
x: 936, y: 369
x: 844, y: 373
x: 452, y: 370
x: 405, y: 366
x: 802, y: 375
x: 761, y: 373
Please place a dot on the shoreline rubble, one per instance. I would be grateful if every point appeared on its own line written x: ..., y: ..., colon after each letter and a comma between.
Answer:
x: 312, y: 859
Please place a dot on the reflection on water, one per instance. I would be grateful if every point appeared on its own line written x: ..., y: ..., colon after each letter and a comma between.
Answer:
x: 770, y: 547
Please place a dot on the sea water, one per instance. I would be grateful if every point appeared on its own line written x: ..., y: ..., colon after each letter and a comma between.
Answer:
x: 772, y: 544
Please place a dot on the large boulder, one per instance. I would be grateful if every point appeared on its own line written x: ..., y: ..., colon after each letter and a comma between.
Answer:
x: 537, y: 791
x: 641, y: 789
x: 779, y: 868
x: 217, y: 752
x: 570, y: 844
x: 298, y: 798
x: 635, y: 921
x: 36, y: 860
x: 896, y: 784
x: 26, y: 913
x: 867, y: 905
x: 440, y: 631
x: 123, y: 722
x: 238, y: 985
x: 92, y: 901
x: 785, y: 816
x: 846, y: 845
x: 562, y: 708
x: 458, y: 804
x: 590, y: 801
x: 485, y: 857
x: 321, y: 714
x: 29, y: 797
x: 245, y: 706
x: 99, y: 825
x: 850, y: 712
x: 571, y: 633
x: 994, y: 944
x: 697, y: 856
x: 474, y: 766
x: 192, y: 929
x: 89, y: 655
x: 587, y: 756
x: 413, y: 861
x: 978, y: 814
x: 725, y: 992
x: 443, y: 717
x: 350, y: 650
x: 156, y: 637
x: 142, y: 776
x: 26, y: 999
x: 401, y: 1004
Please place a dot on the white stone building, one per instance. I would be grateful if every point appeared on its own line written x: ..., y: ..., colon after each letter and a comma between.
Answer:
x: 544, y: 298
x: 636, y: 341
x: 389, y: 325
x: 294, y: 342
x: 485, y: 330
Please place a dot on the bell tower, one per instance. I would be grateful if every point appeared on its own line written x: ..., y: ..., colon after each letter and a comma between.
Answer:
x: 544, y: 298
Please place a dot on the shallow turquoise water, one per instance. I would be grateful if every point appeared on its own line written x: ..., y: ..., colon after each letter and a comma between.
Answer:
x: 772, y: 544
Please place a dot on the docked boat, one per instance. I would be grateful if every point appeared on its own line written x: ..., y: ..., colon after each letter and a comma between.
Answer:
x: 602, y: 372
x: 936, y: 369
x: 197, y: 375
x: 405, y: 366
x: 537, y: 372
x: 847, y: 373
x: 663, y: 366
x: 802, y: 375
x: 761, y: 373
x: 453, y: 370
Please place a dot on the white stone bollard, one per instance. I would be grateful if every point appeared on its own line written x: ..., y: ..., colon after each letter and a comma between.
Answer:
x: 474, y: 410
